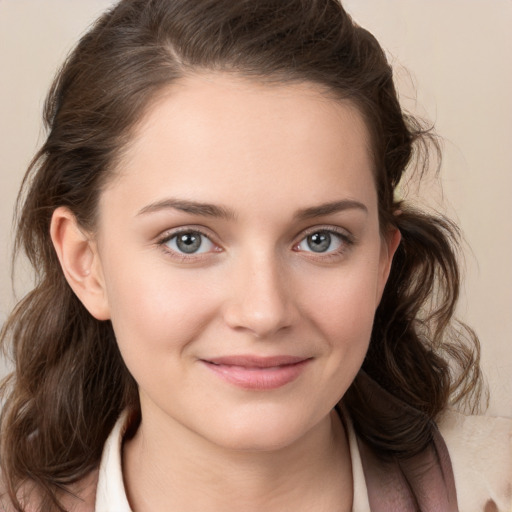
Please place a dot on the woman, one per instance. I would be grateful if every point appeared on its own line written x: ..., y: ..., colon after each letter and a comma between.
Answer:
x: 234, y: 309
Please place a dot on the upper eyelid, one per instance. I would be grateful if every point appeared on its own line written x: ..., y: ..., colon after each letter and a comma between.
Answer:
x: 172, y: 232
x: 325, y: 228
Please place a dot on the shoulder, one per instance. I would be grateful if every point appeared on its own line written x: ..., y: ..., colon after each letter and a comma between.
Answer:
x: 480, y: 449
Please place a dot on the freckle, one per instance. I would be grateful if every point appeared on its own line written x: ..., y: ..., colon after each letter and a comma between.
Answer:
x: 490, y: 506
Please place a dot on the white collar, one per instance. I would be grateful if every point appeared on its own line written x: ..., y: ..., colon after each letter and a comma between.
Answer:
x: 111, y: 494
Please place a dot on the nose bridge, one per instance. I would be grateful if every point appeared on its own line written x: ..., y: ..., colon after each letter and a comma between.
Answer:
x: 260, y: 300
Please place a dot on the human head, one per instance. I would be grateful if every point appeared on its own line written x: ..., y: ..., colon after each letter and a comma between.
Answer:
x: 135, y: 50
x: 139, y: 47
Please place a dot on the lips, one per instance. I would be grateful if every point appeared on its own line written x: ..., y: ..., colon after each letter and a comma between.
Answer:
x: 257, y: 373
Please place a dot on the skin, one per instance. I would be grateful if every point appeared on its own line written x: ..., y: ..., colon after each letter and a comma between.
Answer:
x: 266, y: 157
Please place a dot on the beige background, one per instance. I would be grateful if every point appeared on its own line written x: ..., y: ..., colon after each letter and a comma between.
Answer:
x: 453, y: 62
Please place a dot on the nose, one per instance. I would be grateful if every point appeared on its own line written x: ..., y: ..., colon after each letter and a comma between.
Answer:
x: 261, y: 298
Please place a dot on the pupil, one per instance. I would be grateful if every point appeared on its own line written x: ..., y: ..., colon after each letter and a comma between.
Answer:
x: 319, y: 242
x: 188, y: 242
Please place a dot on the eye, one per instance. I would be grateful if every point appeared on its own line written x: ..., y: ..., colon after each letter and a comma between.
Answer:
x: 189, y: 242
x: 323, y: 241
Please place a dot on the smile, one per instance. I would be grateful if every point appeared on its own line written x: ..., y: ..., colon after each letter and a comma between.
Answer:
x: 257, y: 373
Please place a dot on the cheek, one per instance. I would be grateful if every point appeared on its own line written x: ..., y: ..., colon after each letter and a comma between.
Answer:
x: 339, y: 309
x: 155, y: 310
x: 343, y: 304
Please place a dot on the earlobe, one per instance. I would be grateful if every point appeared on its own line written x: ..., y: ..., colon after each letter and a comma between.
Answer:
x: 79, y: 259
x: 389, y: 246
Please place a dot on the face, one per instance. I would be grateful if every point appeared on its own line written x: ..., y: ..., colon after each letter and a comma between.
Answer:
x: 241, y: 258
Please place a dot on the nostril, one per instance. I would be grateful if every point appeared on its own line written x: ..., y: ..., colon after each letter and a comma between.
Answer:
x: 491, y: 506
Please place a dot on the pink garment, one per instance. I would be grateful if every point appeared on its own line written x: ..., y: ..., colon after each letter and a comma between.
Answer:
x: 398, y: 483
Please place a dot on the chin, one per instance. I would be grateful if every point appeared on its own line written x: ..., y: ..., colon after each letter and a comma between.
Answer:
x: 262, y: 432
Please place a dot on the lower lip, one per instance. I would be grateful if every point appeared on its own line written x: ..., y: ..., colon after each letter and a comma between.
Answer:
x: 258, y: 378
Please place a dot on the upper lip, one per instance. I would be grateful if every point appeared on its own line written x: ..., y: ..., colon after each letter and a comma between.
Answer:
x: 252, y: 361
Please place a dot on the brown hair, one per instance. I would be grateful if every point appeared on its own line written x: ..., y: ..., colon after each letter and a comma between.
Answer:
x: 70, y: 383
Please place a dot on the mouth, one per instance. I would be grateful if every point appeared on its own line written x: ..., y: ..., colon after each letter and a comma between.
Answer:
x: 257, y: 373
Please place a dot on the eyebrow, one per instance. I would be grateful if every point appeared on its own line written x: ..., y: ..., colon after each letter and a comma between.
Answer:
x: 192, y: 207
x: 330, y: 208
x: 212, y: 210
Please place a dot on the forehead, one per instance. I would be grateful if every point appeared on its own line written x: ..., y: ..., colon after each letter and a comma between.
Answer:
x: 208, y: 134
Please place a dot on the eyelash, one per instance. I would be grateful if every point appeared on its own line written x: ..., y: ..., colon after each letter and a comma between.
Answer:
x: 346, y: 242
x: 168, y: 236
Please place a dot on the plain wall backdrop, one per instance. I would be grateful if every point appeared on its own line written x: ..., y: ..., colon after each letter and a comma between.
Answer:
x: 452, y: 61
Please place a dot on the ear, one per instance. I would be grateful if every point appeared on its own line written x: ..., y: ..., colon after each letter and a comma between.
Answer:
x: 389, y: 245
x: 80, y: 262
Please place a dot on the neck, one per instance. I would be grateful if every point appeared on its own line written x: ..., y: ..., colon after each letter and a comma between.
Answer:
x: 178, y: 470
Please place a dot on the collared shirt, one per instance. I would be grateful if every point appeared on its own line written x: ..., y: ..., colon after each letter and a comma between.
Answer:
x: 111, y: 494
x: 479, y: 448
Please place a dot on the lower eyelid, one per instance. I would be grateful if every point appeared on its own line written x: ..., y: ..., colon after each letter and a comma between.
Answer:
x: 164, y: 240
